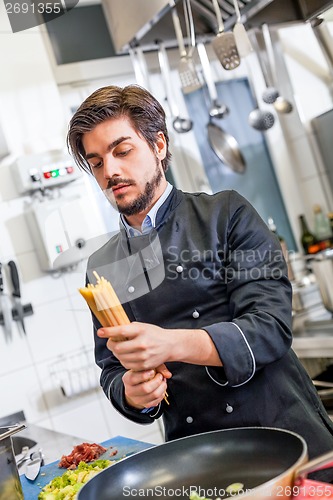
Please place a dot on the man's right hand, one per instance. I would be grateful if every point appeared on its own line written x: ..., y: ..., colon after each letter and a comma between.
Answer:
x: 145, y: 389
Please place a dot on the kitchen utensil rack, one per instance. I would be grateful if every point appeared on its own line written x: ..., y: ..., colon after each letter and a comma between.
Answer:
x: 75, y: 373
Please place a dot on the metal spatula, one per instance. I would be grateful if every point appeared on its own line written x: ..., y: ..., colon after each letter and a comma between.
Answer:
x: 224, y: 44
x: 188, y: 76
x: 241, y: 37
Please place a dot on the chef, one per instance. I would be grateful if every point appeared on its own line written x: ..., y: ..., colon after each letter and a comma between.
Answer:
x: 202, y: 280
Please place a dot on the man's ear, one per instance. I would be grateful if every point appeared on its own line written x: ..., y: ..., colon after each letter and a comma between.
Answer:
x: 161, y: 146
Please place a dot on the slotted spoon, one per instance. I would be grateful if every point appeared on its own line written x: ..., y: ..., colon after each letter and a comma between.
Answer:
x: 224, y: 44
x: 187, y: 73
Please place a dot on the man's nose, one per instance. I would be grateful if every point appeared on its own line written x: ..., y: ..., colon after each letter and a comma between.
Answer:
x: 111, y: 167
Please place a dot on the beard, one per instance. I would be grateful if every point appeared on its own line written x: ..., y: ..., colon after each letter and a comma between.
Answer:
x: 144, y: 199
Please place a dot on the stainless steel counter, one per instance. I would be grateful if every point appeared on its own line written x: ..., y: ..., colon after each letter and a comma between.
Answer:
x: 53, y: 444
x: 308, y: 344
x: 313, y: 333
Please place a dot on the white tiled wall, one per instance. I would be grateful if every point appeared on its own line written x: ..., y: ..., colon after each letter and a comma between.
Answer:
x: 311, y: 86
x: 59, y: 328
x: 34, y: 120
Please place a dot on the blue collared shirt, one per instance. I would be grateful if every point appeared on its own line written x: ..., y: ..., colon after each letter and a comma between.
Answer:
x: 150, y: 220
x: 147, y: 225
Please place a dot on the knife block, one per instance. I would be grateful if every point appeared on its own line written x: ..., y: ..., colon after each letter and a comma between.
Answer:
x: 27, y: 311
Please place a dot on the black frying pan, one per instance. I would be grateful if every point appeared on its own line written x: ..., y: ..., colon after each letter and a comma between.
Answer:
x: 212, y: 460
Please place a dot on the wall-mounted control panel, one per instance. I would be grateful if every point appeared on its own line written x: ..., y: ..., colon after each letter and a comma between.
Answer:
x: 43, y: 171
x: 65, y: 230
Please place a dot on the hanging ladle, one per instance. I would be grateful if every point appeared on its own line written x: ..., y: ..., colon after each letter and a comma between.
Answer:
x: 270, y: 94
x: 281, y: 104
x: 180, y: 124
x: 223, y: 144
x: 217, y: 110
x: 258, y: 119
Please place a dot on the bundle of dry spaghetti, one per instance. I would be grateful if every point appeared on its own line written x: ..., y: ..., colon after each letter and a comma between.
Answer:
x: 104, y: 303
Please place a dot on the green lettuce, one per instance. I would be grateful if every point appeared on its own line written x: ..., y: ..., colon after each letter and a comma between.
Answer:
x: 66, y: 487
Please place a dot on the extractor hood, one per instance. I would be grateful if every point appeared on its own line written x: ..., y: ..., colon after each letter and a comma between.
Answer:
x: 130, y: 20
x: 146, y: 22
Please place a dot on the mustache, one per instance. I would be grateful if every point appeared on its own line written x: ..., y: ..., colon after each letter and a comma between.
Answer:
x: 115, y: 182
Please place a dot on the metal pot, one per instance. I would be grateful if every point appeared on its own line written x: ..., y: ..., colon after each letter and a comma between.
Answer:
x: 10, y: 485
x: 266, y: 461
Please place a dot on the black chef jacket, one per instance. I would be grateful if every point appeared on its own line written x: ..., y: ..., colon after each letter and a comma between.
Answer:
x: 213, y: 264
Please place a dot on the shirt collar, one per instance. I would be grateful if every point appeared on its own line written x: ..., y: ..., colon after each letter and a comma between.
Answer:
x: 150, y: 220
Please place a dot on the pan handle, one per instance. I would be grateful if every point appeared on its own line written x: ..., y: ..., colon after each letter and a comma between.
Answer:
x: 322, y: 383
x: 322, y: 462
x: 12, y: 430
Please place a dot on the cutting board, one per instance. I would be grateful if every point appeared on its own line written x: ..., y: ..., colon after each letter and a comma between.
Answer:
x: 125, y: 447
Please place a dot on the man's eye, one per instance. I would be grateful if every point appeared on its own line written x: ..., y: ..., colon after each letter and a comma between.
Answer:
x: 96, y: 164
x: 123, y: 153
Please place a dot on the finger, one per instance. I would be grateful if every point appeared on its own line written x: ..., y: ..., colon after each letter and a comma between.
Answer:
x: 116, y: 333
x: 155, y: 387
x: 129, y: 356
x: 147, y: 394
x: 135, y: 378
x: 151, y: 388
x: 164, y: 371
x: 153, y: 402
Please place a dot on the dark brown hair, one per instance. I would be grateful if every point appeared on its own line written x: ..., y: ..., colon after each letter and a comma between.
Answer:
x: 143, y: 110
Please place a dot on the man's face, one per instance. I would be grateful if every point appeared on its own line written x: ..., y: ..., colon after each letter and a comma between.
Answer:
x: 125, y: 167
